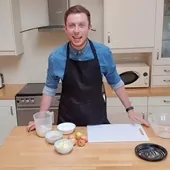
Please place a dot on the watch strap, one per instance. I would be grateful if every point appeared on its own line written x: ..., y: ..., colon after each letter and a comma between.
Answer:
x: 129, y: 108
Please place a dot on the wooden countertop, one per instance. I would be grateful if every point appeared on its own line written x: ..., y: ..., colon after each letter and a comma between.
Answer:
x: 10, y: 90
x: 140, y: 92
x: 23, y: 150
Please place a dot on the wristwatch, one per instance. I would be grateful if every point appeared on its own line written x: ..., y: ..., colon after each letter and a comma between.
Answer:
x: 129, y: 108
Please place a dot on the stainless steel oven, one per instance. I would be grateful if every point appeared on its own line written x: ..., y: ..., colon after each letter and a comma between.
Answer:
x: 28, y: 102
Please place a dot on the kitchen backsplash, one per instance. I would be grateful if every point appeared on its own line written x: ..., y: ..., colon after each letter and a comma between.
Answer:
x: 32, y: 65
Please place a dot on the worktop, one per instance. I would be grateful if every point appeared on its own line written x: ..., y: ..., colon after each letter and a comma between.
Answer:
x: 9, y: 91
x: 140, y: 92
x: 25, y: 150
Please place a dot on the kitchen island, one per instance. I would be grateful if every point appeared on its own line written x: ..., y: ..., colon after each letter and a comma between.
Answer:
x: 27, y: 151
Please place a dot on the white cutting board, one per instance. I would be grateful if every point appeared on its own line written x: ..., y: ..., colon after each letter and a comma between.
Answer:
x: 116, y: 133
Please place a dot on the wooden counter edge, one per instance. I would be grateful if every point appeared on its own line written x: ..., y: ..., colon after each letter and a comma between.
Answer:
x: 140, y: 92
x: 9, y: 91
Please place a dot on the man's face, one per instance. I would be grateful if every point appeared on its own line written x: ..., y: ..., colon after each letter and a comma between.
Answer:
x: 77, y: 28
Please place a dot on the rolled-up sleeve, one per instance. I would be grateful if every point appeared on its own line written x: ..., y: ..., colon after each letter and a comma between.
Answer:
x: 51, y: 80
x: 111, y: 74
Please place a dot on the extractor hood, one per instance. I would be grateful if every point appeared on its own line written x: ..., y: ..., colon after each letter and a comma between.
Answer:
x: 56, y: 11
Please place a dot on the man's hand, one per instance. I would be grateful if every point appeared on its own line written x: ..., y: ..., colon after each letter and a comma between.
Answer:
x: 136, y: 117
x: 31, y: 126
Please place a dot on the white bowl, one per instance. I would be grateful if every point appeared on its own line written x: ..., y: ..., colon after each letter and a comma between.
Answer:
x: 53, y: 136
x: 66, y: 128
x: 63, y: 146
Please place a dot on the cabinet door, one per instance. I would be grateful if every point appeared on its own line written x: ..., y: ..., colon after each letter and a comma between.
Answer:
x: 6, y: 35
x: 157, y: 109
x: 7, y: 119
x: 10, y: 27
x: 162, y: 37
x: 129, y: 23
x: 118, y: 115
x: 33, y: 14
x: 96, y: 9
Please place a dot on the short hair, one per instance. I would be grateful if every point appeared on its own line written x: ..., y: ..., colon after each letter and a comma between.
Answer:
x: 77, y: 9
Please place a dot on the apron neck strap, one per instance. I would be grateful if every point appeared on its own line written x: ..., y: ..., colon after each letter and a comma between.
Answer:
x: 91, y: 46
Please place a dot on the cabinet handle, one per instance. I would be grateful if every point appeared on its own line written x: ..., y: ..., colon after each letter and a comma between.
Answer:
x: 149, y: 113
x: 157, y: 55
x: 93, y: 29
x: 11, y: 110
x: 167, y: 81
x: 143, y: 115
x: 108, y: 37
x: 68, y: 3
x: 166, y: 101
x: 166, y: 71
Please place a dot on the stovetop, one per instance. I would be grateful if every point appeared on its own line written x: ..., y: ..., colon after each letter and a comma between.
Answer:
x: 35, y: 89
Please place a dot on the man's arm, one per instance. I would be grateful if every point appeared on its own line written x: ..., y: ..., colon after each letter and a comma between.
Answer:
x: 117, y: 85
x: 45, y: 103
x: 123, y: 96
x: 51, y: 85
x: 115, y: 81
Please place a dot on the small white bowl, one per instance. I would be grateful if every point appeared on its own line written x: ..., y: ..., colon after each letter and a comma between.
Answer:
x: 63, y: 146
x: 53, y: 136
x: 66, y: 128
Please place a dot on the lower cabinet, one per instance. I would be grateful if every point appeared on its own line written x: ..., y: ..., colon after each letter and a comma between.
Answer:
x: 158, y: 104
x: 7, y: 118
x: 116, y: 112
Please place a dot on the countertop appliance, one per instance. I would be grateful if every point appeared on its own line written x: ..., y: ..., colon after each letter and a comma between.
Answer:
x: 135, y: 74
x: 28, y: 101
x: 2, y: 84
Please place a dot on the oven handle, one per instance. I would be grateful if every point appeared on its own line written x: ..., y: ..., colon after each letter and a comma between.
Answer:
x: 51, y: 108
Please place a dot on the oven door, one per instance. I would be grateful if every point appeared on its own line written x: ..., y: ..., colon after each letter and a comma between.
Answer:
x: 25, y: 115
x: 129, y: 77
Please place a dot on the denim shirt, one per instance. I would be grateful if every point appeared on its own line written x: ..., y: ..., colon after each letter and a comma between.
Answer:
x: 57, y: 63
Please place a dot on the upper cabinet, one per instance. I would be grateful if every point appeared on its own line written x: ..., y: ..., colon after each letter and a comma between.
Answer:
x: 34, y: 13
x: 162, y: 36
x: 129, y: 24
x: 10, y: 26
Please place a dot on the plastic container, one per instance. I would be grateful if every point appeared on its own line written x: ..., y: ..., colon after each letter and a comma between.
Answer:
x: 160, y: 123
x: 43, y: 123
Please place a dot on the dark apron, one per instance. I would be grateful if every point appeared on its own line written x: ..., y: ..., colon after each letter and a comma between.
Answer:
x: 82, y: 100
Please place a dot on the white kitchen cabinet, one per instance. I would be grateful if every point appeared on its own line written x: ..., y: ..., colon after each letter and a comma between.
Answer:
x: 10, y: 27
x: 118, y: 115
x: 34, y: 13
x: 158, y: 104
x: 161, y: 54
x: 116, y: 112
x: 96, y: 9
x: 8, y: 118
x: 129, y: 24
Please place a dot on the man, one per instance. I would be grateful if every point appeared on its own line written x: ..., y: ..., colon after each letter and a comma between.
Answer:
x: 80, y: 65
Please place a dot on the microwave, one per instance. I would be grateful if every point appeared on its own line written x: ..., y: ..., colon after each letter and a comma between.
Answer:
x: 134, y: 74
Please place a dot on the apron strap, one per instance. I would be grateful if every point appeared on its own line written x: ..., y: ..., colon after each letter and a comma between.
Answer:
x: 92, y: 48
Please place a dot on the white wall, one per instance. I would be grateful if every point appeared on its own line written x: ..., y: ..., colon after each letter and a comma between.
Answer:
x: 32, y: 65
